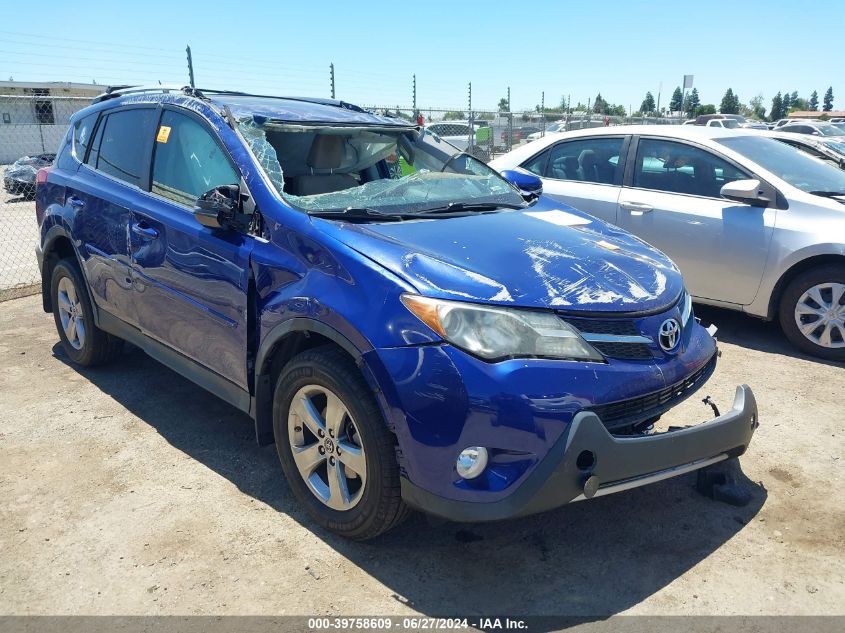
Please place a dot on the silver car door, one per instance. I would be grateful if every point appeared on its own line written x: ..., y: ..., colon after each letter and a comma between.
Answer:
x: 671, y: 200
x: 584, y: 172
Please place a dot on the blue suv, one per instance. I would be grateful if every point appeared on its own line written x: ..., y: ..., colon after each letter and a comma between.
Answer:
x: 409, y: 327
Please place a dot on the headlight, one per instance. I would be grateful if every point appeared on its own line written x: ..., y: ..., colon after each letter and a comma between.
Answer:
x: 495, y: 333
x: 686, y: 310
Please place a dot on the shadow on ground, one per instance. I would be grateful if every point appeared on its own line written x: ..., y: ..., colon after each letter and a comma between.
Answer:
x: 589, y: 559
x: 750, y: 332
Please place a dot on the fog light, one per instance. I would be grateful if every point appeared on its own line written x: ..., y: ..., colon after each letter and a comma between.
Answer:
x: 472, y: 461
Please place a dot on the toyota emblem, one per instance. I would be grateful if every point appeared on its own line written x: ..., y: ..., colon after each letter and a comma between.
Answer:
x: 670, y: 334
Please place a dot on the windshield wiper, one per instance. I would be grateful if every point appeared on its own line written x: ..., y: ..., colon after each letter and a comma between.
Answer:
x: 357, y: 213
x: 828, y: 194
x: 472, y: 206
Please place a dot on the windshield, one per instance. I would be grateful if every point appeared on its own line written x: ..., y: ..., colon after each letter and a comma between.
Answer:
x: 788, y: 163
x: 730, y: 123
x: 380, y: 169
x: 836, y: 146
x: 826, y: 129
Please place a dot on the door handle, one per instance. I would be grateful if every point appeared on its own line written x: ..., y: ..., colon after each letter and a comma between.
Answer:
x: 144, y: 230
x: 76, y: 203
x: 636, y: 208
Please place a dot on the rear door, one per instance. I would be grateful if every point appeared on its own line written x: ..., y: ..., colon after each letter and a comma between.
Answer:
x: 585, y: 173
x: 191, y: 282
x: 101, y: 195
x: 672, y: 200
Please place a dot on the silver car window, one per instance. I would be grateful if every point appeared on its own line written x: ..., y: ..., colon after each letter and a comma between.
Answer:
x: 680, y: 168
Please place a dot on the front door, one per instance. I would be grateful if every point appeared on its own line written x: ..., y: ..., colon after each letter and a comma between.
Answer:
x: 673, y: 202
x: 191, y: 282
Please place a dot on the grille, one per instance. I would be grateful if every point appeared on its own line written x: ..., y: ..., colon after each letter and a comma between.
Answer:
x: 617, y: 415
x: 614, y: 327
x: 624, y: 351
x: 619, y: 327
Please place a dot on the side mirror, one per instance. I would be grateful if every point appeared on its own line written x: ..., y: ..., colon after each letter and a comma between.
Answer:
x: 747, y: 192
x: 217, y: 208
x: 529, y: 185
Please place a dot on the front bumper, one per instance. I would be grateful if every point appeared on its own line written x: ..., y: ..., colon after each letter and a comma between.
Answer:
x: 618, y: 463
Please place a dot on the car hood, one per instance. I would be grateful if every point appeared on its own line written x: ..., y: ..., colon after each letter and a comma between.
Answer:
x: 547, y: 256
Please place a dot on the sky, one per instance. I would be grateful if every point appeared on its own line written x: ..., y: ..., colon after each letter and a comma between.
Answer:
x: 575, y: 49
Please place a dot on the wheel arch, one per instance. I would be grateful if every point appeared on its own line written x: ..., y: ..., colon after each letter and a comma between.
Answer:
x: 796, y: 269
x: 283, y: 342
x: 57, y: 246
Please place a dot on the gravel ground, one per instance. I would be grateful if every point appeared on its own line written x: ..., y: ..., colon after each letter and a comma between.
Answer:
x: 129, y: 490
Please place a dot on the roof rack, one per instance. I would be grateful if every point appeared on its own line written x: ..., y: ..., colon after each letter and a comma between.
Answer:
x: 112, y: 92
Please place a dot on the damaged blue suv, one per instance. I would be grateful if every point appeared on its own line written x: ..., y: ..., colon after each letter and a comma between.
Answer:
x: 409, y: 327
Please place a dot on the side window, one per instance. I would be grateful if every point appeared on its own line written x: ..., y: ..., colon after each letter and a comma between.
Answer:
x: 680, y: 168
x: 537, y: 165
x: 586, y: 160
x: 188, y: 160
x: 122, y: 142
x: 83, y: 130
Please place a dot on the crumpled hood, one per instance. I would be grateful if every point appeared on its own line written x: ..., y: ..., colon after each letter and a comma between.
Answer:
x: 547, y: 256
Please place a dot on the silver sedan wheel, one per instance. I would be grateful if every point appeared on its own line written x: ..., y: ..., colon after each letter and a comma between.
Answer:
x: 70, y: 313
x: 820, y: 315
x: 326, y: 447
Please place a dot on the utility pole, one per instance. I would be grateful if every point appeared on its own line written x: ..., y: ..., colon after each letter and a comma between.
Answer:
x: 190, y: 67
x: 471, y: 132
x: 414, y: 95
x: 331, y: 77
x: 509, y: 99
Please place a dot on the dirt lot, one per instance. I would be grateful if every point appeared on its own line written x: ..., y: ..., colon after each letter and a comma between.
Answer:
x: 128, y: 490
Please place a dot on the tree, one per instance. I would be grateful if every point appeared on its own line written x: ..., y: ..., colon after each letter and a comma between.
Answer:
x: 730, y: 103
x: 707, y: 108
x: 799, y: 105
x: 599, y: 105
x: 786, y: 102
x: 758, y: 111
x: 828, y: 100
x: 793, y: 98
x: 648, y: 104
x: 504, y: 106
x: 814, y: 101
x: 693, y: 101
x: 777, y: 108
x: 677, y: 100
x: 454, y: 115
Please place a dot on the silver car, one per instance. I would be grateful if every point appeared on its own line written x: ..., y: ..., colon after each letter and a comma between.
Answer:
x: 754, y: 224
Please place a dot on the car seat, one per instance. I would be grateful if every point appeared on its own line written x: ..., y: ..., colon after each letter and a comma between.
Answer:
x: 325, y: 155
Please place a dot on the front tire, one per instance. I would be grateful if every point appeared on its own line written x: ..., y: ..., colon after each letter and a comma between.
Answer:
x: 83, y: 342
x: 812, y: 312
x: 336, y: 451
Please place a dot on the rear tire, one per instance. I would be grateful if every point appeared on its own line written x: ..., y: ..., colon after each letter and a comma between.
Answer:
x: 83, y: 342
x: 812, y: 312
x: 345, y: 472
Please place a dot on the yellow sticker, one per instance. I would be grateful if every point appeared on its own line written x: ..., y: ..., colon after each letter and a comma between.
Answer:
x: 163, y: 134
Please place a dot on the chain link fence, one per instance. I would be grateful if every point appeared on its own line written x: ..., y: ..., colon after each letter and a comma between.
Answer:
x: 30, y: 131
x: 490, y: 133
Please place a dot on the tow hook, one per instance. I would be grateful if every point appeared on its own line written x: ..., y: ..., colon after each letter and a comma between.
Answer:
x: 709, y: 401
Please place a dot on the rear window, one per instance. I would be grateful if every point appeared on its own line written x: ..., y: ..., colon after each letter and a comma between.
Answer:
x: 121, y: 144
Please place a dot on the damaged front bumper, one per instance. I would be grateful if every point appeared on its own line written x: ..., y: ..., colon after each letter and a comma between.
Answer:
x: 588, y: 461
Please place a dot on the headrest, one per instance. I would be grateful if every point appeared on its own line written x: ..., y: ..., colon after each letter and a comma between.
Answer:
x: 326, y: 152
x: 587, y: 157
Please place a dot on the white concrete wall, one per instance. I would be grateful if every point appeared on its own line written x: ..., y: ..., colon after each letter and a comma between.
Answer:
x: 23, y: 140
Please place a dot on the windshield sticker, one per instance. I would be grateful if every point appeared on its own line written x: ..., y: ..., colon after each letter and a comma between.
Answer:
x: 163, y: 134
x: 558, y: 217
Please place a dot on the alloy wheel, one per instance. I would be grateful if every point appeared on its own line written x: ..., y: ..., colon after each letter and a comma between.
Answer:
x: 326, y: 447
x: 70, y: 313
x: 820, y: 315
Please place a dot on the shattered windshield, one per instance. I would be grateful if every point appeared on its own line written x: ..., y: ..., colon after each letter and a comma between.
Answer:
x: 381, y: 169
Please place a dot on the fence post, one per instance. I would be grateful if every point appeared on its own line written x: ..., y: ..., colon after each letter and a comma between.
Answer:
x: 190, y: 67
x: 331, y: 77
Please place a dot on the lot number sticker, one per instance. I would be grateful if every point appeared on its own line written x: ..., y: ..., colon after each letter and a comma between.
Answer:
x: 163, y: 134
